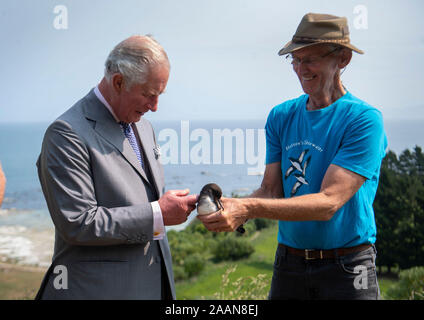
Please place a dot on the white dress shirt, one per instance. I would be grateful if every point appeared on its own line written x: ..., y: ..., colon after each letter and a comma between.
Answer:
x: 158, y: 226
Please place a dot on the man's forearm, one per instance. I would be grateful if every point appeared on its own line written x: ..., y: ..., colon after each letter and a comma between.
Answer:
x: 316, y: 206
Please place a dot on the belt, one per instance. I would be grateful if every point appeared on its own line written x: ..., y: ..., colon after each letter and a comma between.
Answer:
x: 313, y: 254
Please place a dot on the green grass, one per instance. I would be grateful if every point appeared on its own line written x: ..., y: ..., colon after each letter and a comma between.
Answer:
x: 209, y: 281
x: 18, y: 283
x: 385, y: 283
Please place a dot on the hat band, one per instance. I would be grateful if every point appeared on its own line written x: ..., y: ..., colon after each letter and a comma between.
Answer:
x: 312, y: 40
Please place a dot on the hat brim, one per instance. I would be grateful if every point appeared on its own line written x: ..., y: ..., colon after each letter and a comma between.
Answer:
x: 294, y: 46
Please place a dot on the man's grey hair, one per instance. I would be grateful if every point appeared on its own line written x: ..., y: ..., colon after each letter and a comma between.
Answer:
x: 133, y: 57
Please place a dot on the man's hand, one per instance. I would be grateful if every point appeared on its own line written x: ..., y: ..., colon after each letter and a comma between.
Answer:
x: 176, y: 206
x: 235, y: 213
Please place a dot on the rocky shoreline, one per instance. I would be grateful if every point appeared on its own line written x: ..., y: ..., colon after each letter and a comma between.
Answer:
x: 26, y: 247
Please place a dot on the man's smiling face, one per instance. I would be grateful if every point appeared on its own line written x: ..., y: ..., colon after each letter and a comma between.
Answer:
x: 316, y: 67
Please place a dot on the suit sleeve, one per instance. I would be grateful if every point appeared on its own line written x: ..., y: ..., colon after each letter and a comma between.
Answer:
x: 64, y: 170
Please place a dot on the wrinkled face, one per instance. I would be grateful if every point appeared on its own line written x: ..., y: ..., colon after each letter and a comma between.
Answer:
x: 134, y: 102
x: 316, y: 68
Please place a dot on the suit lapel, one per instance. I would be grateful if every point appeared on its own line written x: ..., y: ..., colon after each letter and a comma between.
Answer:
x: 110, y: 130
x: 145, y: 141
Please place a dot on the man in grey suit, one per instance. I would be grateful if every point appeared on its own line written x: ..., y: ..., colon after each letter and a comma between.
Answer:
x: 101, y: 176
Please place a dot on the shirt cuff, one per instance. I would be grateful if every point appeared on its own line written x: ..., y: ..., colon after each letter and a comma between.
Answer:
x: 158, y: 227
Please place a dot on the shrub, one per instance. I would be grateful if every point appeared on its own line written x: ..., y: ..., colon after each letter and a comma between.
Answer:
x: 194, y: 264
x: 410, y: 285
x: 230, y: 248
x: 262, y: 223
x: 199, y: 228
x: 179, y: 273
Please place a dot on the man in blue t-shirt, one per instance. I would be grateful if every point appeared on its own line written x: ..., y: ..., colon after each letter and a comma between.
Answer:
x: 324, y: 151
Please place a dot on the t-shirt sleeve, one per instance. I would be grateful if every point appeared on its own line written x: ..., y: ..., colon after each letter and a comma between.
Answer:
x: 363, y: 145
x: 273, y: 142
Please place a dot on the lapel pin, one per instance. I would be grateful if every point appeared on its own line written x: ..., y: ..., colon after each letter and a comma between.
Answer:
x: 156, y: 150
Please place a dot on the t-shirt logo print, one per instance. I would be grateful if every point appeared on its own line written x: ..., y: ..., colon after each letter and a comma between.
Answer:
x: 298, y: 167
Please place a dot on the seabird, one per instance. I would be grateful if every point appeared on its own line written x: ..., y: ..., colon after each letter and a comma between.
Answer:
x: 208, y: 201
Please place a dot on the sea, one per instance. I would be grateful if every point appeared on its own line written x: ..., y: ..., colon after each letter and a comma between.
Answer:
x: 230, y: 153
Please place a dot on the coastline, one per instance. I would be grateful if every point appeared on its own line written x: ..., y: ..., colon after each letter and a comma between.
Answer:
x: 23, y: 242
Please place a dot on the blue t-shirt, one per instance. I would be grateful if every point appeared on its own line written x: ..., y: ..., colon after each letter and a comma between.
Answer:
x: 348, y: 133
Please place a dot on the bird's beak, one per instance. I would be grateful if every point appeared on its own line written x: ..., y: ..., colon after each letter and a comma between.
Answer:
x: 220, y: 204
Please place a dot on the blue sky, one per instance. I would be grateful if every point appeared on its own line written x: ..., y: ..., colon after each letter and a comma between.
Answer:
x: 223, y: 54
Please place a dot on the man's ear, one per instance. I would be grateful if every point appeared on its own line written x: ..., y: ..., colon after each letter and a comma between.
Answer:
x: 118, y: 82
x: 345, y: 57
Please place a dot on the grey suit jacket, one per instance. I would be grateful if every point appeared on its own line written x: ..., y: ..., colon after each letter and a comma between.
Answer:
x: 99, y: 199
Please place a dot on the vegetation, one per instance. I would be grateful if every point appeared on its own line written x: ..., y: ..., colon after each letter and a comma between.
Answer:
x: 410, y: 285
x: 244, y: 288
x: 192, y: 247
x: 231, y: 248
x: 399, y: 211
x: 19, y: 283
x: 247, y: 278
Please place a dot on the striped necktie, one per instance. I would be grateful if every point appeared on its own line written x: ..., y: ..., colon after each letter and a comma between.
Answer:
x: 129, y: 133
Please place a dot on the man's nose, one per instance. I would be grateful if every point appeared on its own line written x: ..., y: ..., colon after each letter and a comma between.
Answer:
x: 153, y: 104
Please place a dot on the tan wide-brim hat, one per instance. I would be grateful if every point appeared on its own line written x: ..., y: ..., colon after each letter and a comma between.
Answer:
x: 316, y: 28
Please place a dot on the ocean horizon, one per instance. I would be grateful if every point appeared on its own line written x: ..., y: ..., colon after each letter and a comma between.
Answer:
x: 26, y: 230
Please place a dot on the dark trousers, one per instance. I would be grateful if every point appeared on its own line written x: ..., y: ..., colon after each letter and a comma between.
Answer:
x: 349, y: 277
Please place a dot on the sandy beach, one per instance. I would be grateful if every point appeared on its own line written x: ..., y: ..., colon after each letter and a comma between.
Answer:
x: 25, y: 255
x: 24, y: 245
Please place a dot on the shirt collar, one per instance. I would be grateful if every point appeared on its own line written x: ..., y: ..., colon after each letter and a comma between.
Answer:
x: 105, y: 103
